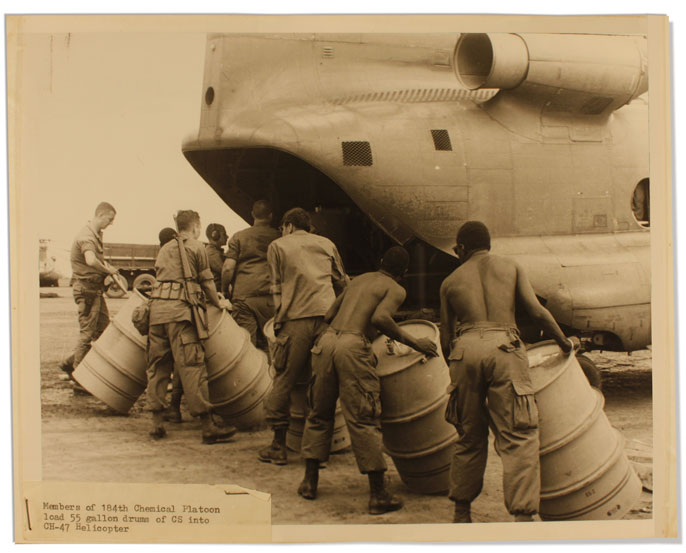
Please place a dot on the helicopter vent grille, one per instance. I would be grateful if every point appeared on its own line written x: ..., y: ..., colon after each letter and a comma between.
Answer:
x: 356, y: 153
x: 441, y: 139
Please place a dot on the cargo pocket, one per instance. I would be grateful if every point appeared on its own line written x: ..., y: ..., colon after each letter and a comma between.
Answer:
x: 452, y: 412
x: 193, y: 353
x: 524, y: 410
x: 369, y: 405
x: 456, y: 354
x: 281, y: 347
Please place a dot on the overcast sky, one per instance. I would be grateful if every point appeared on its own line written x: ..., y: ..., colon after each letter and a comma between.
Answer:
x: 105, y: 115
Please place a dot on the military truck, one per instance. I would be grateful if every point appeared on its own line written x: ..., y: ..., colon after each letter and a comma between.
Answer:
x: 136, y: 262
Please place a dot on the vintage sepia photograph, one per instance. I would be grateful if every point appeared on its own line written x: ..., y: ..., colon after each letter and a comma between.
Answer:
x: 364, y: 274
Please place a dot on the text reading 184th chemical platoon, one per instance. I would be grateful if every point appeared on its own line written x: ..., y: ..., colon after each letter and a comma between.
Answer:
x: 121, y: 518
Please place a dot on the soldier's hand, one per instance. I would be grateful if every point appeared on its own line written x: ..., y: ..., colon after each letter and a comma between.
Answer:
x: 427, y: 347
x: 225, y: 304
x: 571, y: 344
x: 576, y: 343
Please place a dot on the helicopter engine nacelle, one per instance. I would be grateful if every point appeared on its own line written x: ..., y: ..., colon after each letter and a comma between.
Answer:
x: 585, y: 74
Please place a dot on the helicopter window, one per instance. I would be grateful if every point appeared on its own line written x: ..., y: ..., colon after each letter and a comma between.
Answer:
x: 441, y: 139
x: 640, y: 203
x: 356, y: 153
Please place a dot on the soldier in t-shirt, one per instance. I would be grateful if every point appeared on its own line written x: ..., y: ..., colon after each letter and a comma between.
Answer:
x: 246, y: 269
x: 89, y: 270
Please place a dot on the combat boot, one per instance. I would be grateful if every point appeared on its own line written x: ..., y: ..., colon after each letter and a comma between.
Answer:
x: 308, y: 487
x: 158, y: 432
x: 524, y: 517
x: 173, y: 412
x: 211, y: 433
x: 380, y: 501
x: 68, y: 365
x: 462, y: 512
x: 276, y: 451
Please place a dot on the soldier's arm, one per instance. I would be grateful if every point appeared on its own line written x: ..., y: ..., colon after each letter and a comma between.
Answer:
x: 382, y: 319
x: 228, y: 270
x: 275, y: 275
x: 540, y: 315
x: 339, y: 278
x: 331, y: 313
x: 93, y: 261
x: 447, y: 321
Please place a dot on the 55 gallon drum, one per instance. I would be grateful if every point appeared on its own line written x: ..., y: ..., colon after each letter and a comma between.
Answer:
x: 585, y: 474
x: 237, y: 372
x: 114, y: 368
x: 413, y: 402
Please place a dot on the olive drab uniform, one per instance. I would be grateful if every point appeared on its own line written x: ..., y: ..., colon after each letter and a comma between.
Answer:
x: 488, y: 362
x: 345, y: 361
x: 88, y: 291
x: 173, y: 340
x: 252, y: 302
x: 304, y: 268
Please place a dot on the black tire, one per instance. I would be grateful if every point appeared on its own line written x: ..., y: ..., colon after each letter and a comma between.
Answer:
x: 592, y: 372
x: 144, y: 281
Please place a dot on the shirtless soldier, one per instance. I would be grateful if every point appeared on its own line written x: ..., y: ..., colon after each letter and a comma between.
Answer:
x: 342, y: 360
x: 488, y: 362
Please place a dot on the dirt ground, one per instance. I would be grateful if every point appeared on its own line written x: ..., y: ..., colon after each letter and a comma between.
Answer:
x: 85, y: 440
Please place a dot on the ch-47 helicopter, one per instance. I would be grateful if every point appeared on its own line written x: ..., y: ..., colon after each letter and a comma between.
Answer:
x: 401, y: 138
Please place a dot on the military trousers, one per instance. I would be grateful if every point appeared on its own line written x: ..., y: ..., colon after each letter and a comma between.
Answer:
x: 252, y: 314
x: 490, y: 384
x: 175, y: 346
x: 93, y: 317
x: 343, y: 363
x: 291, y: 364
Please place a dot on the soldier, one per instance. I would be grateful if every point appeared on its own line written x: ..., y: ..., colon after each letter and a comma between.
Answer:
x: 306, y: 273
x: 343, y: 361
x: 217, y: 237
x: 173, y: 336
x: 247, y: 270
x: 166, y: 234
x: 489, y: 373
x: 89, y: 270
x: 173, y: 412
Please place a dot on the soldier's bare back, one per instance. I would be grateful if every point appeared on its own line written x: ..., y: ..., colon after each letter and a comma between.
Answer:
x: 355, y: 307
x: 482, y: 289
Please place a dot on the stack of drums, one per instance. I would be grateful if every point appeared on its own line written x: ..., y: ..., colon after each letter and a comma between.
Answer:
x: 296, y: 425
x: 585, y: 474
x: 413, y: 400
x: 238, y: 379
x: 114, y: 368
x: 237, y: 372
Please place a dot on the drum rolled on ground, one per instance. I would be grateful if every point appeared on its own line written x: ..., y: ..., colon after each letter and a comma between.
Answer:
x: 585, y: 474
x: 413, y: 399
x: 237, y: 372
x: 114, y: 368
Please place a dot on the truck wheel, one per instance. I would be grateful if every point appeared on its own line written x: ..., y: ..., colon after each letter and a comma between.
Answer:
x: 591, y: 371
x: 144, y: 282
